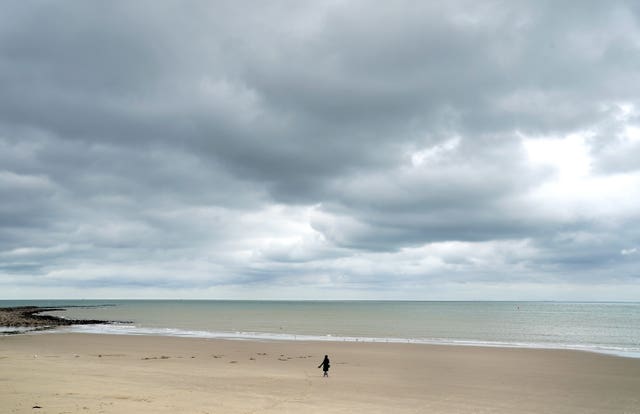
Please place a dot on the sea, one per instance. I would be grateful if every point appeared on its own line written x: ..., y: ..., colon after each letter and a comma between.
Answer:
x: 612, y: 328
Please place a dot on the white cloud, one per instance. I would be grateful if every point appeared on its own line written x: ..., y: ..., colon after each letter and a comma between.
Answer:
x: 435, y: 153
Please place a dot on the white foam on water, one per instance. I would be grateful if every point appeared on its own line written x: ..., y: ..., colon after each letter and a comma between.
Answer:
x: 5, y: 329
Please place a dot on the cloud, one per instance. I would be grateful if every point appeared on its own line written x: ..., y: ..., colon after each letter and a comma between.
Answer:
x: 296, y: 150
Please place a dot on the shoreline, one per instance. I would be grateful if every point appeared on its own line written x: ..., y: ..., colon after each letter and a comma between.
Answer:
x: 119, y: 330
x: 87, y: 329
x: 125, y: 373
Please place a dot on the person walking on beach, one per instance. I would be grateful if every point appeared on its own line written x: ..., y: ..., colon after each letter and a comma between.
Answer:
x: 325, y: 366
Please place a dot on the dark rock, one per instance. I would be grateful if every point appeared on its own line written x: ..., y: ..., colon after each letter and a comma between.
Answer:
x: 29, y: 316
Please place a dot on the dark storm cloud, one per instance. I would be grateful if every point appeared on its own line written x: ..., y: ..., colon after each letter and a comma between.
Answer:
x: 165, y: 133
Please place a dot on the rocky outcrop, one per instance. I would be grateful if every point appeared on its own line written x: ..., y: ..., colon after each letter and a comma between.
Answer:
x: 30, y: 317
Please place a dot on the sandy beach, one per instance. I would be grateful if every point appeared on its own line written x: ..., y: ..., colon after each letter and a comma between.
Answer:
x: 84, y: 373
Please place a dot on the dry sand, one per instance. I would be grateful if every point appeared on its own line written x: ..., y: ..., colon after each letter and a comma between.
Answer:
x: 81, y: 373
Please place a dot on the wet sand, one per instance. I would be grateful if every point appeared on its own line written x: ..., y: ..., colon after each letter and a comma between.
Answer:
x: 82, y: 373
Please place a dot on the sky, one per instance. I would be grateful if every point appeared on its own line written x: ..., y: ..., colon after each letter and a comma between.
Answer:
x: 451, y: 150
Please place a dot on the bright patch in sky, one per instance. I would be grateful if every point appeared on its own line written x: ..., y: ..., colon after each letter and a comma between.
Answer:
x: 632, y: 133
x: 568, y: 156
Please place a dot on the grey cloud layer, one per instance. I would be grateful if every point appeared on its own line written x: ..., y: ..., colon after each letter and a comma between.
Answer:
x: 145, y: 134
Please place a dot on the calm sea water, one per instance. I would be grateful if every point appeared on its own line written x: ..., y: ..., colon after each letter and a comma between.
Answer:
x: 601, y: 327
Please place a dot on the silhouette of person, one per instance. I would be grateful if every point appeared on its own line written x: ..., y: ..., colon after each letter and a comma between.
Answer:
x: 325, y: 366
